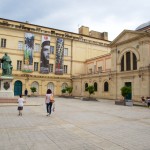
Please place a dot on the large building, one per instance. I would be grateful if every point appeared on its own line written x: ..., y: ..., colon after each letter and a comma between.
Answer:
x: 128, y: 64
x: 45, y: 58
x: 77, y: 59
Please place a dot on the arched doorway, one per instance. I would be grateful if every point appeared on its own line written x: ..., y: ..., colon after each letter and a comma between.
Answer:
x: 36, y: 85
x: 18, y: 88
x: 51, y: 86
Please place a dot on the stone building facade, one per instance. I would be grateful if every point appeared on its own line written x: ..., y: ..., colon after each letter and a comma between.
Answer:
x: 88, y: 59
x: 127, y: 64
x: 77, y: 48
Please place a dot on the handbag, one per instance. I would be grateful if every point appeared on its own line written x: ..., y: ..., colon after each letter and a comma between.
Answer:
x: 52, y: 99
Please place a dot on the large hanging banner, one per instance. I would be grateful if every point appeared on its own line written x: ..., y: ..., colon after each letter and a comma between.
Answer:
x: 59, y: 56
x: 45, y: 52
x: 28, y: 52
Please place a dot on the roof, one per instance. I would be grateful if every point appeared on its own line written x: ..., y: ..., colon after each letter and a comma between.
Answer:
x: 143, y: 25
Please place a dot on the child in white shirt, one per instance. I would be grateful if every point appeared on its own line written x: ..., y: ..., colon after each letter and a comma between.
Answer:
x: 20, y: 105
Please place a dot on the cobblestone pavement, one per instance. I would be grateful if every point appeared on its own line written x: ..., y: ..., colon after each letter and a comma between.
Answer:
x: 75, y: 125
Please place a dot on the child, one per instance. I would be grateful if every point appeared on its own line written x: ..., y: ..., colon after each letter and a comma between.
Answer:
x: 20, y: 105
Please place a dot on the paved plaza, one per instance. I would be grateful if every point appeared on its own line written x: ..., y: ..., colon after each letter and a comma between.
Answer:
x: 75, y: 125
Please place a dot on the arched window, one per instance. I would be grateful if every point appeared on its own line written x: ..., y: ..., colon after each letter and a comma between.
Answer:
x: 134, y: 62
x: 86, y: 85
x: 50, y: 86
x: 122, y: 64
x: 36, y: 85
x: 64, y: 85
x: 95, y: 86
x: 106, y: 87
x: 128, y: 62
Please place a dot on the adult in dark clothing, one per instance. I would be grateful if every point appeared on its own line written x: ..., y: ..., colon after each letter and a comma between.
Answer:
x: 26, y: 93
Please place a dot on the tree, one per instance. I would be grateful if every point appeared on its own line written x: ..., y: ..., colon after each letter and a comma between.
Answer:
x: 63, y: 90
x: 125, y: 90
x: 33, y: 89
x: 69, y: 89
x: 90, y: 89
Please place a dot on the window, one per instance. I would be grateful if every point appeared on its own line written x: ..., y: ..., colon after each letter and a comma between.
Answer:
x: 95, y: 86
x: 51, y: 49
x: 37, y: 47
x: 3, y: 42
x: 106, y: 87
x: 0, y: 63
x: 134, y: 62
x: 19, y: 64
x: 65, y: 51
x: 51, y: 68
x: 65, y: 68
x: 20, y: 45
x: 64, y: 85
x: 99, y: 69
x: 51, y: 86
x: 128, y: 62
x: 86, y: 86
x: 122, y: 64
x: 36, y: 66
x: 90, y: 71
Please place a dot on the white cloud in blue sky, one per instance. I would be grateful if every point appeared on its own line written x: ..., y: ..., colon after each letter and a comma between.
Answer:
x: 103, y: 16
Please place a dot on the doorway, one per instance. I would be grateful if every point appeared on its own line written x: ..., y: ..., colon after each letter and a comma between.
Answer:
x: 18, y: 88
x: 129, y: 96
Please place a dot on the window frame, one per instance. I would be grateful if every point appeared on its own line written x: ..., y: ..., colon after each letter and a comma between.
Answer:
x: 85, y: 86
x: 3, y: 43
x: 65, y: 51
x: 65, y: 69
x: 51, y: 68
x: 95, y: 86
x: 37, y: 47
x: 20, y: 45
x: 106, y: 86
x: 36, y: 66
x: 51, y: 49
x: 19, y: 65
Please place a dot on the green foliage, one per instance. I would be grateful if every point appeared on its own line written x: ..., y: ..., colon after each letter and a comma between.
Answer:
x: 63, y: 90
x: 90, y: 89
x: 33, y: 89
x: 125, y: 90
x: 69, y: 89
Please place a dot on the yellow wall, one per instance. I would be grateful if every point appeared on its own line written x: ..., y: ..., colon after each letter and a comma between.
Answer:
x: 80, y: 48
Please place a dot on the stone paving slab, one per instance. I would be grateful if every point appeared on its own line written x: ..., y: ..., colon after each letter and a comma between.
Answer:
x: 75, y: 125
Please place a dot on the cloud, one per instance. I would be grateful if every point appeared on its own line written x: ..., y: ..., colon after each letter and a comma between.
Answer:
x: 112, y: 17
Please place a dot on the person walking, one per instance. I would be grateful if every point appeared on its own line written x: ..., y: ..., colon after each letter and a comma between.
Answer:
x: 20, y: 105
x: 26, y: 93
x: 48, y: 102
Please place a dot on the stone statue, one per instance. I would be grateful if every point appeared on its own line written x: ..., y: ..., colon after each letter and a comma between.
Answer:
x: 6, y: 65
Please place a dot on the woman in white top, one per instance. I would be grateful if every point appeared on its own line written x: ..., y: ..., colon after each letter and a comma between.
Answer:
x: 20, y: 105
x: 48, y: 102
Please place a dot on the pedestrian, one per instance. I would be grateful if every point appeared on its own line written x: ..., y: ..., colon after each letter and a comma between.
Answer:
x: 20, y: 105
x: 53, y: 102
x: 48, y: 102
x: 26, y: 93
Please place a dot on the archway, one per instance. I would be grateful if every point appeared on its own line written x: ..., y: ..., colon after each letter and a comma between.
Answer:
x: 51, y: 86
x: 18, y: 88
x: 36, y: 85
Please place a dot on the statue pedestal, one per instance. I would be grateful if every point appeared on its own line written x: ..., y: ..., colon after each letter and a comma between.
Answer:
x: 6, y: 87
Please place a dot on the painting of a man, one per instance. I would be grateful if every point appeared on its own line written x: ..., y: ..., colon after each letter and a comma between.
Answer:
x: 44, y: 65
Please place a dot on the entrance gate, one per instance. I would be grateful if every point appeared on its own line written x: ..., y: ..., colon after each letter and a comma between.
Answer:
x: 18, y: 88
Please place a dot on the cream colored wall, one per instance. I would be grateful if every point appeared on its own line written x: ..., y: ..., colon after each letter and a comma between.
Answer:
x: 81, y: 52
x: 78, y: 52
x: 140, y: 85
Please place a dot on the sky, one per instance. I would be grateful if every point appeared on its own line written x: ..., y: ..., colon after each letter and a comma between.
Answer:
x: 112, y: 16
